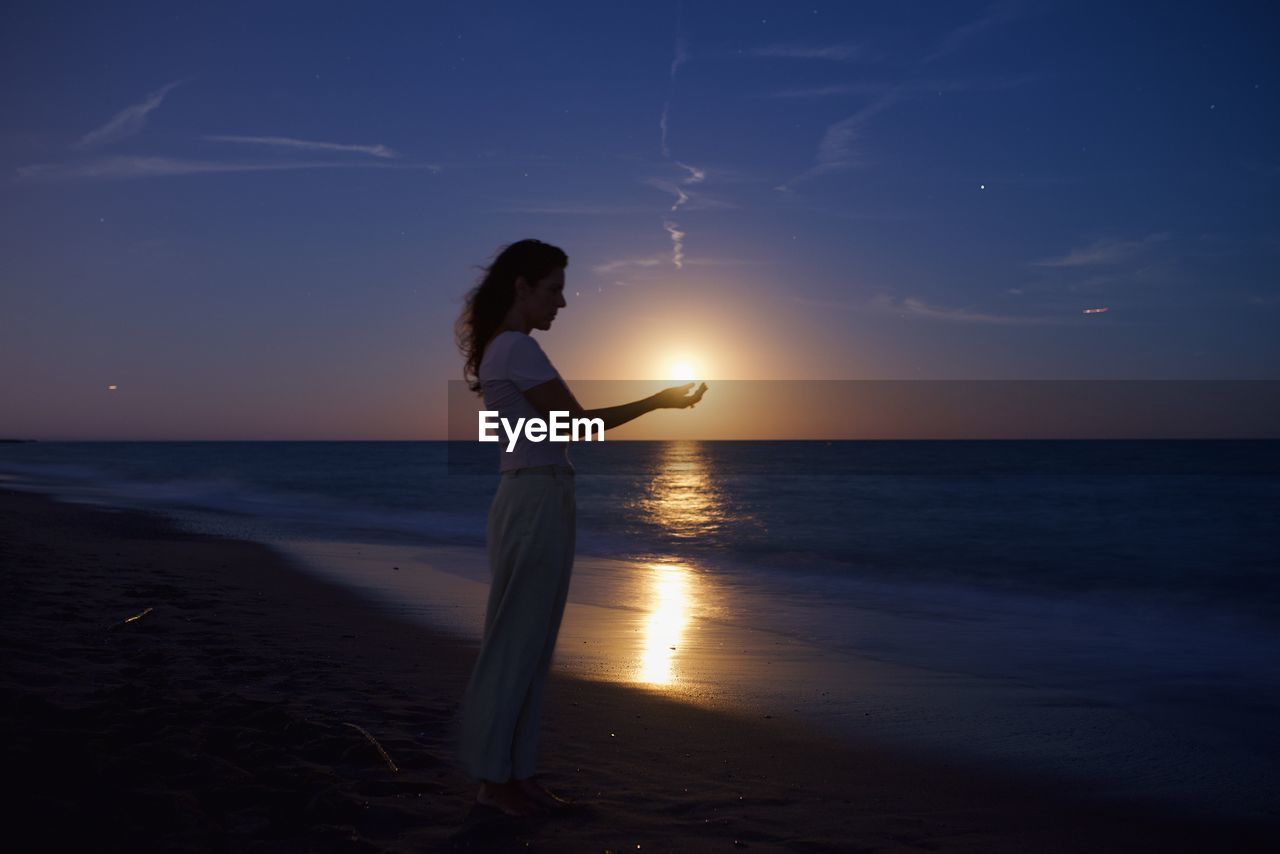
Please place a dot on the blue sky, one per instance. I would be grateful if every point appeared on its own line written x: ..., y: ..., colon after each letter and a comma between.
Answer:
x: 259, y: 222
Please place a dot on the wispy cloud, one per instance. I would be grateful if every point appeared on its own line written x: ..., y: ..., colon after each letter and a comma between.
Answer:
x: 873, y: 88
x: 832, y: 53
x: 913, y: 307
x: 306, y: 145
x: 127, y: 122
x: 696, y: 175
x: 677, y: 242
x: 651, y: 261
x: 688, y: 200
x: 682, y: 198
x: 837, y: 150
x: 1103, y: 252
x: 996, y: 14
x: 682, y: 44
x: 120, y: 168
x: 627, y: 263
x: 662, y: 123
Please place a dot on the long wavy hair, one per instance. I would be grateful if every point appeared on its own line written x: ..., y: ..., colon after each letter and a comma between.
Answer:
x: 487, y: 303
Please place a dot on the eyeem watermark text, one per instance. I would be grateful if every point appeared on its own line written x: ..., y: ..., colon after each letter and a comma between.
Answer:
x: 560, y: 428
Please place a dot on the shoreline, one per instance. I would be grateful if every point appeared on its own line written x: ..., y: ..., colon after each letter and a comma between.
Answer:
x: 675, y: 632
x: 224, y: 715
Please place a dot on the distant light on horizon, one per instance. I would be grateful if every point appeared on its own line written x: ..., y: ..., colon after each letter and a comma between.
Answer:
x: 1101, y: 310
x: 112, y: 387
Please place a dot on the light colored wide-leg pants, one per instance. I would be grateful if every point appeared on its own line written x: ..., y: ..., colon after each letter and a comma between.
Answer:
x: 531, y: 543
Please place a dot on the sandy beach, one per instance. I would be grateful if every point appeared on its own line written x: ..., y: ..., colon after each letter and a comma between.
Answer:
x: 174, y: 692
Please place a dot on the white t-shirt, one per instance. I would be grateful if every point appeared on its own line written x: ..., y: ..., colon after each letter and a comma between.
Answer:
x: 513, y: 363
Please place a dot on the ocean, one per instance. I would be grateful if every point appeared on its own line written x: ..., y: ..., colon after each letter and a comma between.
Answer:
x: 1180, y: 523
x: 1108, y: 608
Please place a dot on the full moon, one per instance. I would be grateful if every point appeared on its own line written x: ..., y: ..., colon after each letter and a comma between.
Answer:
x: 684, y: 372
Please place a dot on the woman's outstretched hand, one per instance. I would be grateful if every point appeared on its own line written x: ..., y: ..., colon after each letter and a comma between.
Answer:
x: 678, y: 397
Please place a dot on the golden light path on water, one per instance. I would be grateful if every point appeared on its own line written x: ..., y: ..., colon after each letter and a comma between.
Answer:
x: 683, y: 500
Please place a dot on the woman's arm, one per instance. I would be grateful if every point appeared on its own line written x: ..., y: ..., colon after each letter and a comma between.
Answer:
x: 554, y: 396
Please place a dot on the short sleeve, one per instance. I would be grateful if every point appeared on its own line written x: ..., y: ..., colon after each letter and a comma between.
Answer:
x: 527, y: 365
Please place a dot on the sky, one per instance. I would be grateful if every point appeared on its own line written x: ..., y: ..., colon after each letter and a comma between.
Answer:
x: 258, y: 221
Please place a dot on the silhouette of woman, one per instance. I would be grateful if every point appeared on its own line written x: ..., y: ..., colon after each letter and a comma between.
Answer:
x: 531, y: 521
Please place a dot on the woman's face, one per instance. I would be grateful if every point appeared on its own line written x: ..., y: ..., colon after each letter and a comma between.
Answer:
x: 543, y: 300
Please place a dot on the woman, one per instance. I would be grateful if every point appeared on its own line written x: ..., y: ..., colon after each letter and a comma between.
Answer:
x: 531, y: 521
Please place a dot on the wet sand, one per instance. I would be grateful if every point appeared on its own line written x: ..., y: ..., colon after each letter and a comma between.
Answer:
x: 700, y: 638
x: 241, y: 712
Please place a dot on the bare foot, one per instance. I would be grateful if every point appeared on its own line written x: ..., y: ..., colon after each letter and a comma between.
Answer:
x: 508, y: 797
x: 541, y: 795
